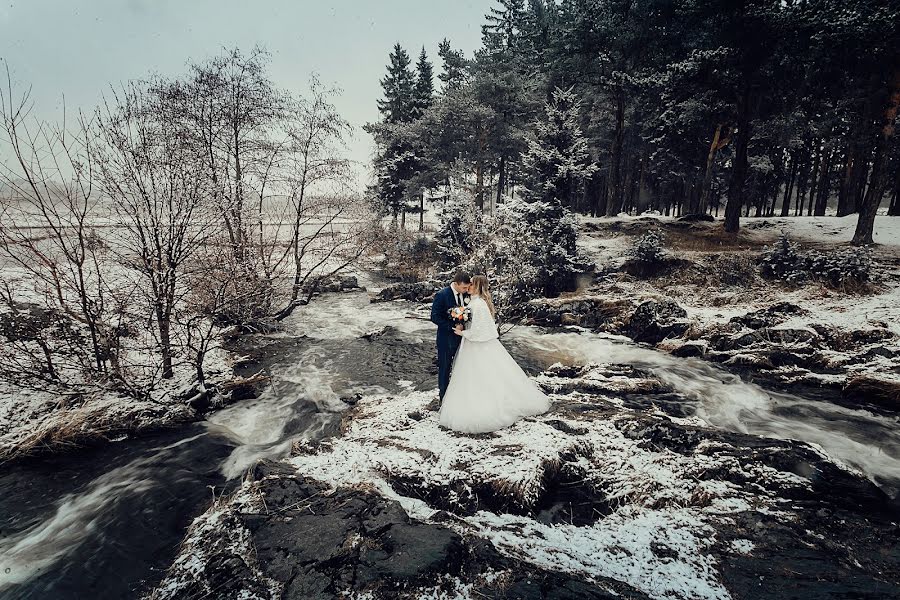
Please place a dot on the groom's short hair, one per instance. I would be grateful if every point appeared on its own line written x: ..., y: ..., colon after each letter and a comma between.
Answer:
x: 462, y: 277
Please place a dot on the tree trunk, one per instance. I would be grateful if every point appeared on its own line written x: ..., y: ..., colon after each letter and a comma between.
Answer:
x: 844, y: 192
x: 855, y: 179
x: 739, y: 168
x: 501, y: 179
x: 422, y: 212
x: 479, y: 186
x: 814, y: 181
x: 615, y: 199
x: 707, y: 176
x: 894, y: 208
x: 879, y: 177
x: 165, y: 341
x: 824, y: 186
x: 788, y: 188
x: 479, y: 171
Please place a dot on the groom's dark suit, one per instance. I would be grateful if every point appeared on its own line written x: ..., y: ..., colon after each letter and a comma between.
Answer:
x: 447, y: 340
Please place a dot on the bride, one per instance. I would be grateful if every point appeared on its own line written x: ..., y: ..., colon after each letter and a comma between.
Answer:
x: 488, y: 390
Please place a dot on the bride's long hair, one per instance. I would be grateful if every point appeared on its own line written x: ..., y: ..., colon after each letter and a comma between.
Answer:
x: 480, y: 288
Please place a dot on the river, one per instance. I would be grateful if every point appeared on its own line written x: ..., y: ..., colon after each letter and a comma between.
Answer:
x: 106, y: 522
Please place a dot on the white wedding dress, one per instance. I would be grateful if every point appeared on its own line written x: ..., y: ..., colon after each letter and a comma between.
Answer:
x: 488, y: 390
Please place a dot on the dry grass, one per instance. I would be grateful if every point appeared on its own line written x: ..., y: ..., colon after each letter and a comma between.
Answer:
x: 711, y: 237
x: 65, y: 430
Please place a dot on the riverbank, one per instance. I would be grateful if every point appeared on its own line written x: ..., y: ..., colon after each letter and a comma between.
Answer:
x: 42, y: 421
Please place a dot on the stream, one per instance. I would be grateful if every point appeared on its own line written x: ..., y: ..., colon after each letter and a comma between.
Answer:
x: 107, y: 522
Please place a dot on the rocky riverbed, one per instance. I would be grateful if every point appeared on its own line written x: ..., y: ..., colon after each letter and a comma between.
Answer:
x: 650, y: 477
x: 612, y: 493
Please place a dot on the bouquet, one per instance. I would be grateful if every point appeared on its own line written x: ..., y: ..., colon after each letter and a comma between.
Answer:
x: 460, y: 315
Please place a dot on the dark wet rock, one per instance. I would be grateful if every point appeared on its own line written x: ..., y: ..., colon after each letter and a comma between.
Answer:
x: 767, y: 317
x: 337, y: 283
x: 767, y: 337
x: 569, y: 319
x: 691, y: 349
x: 351, y: 400
x: 585, y: 311
x: 309, y: 541
x: 610, y: 379
x: 874, y: 390
x: 656, y: 320
x: 757, y: 361
x: 421, y: 291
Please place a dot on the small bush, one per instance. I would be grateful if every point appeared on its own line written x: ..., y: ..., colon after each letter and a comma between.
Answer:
x: 841, y: 268
x: 783, y: 261
x: 649, y: 249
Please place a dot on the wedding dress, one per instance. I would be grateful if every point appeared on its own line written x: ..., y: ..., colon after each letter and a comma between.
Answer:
x: 488, y: 390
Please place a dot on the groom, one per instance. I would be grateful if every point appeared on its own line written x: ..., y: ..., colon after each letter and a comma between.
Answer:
x: 456, y: 294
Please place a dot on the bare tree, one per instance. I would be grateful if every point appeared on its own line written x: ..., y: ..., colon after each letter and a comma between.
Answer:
x: 228, y: 109
x: 49, y: 223
x: 161, y: 202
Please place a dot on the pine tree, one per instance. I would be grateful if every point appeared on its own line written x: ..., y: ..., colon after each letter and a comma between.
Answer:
x: 394, y: 162
x: 399, y: 88
x: 423, y: 92
x: 501, y: 33
x: 558, y: 160
x: 555, y: 164
x: 454, y: 67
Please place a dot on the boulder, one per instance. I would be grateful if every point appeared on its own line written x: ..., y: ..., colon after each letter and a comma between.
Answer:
x: 656, y: 320
x: 767, y: 317
x: 874, y: 390
x: 420, y: 291
x: 691, y: 349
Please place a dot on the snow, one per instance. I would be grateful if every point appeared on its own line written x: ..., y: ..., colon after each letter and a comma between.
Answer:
x: 655, y: 497
x: 830, y: 229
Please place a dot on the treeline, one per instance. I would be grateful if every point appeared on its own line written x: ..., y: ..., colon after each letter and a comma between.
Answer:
x: 775, y: 107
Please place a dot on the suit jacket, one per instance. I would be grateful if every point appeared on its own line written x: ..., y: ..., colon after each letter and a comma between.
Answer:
x: 444, y: 300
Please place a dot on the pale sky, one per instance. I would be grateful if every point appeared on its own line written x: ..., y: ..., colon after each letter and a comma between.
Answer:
x: 77, y: 48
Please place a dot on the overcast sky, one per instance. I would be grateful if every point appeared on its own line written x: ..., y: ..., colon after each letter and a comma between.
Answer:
x: 79, y: 47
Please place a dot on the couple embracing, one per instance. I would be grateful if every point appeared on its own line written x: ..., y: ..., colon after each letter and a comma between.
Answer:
x: 487, y: 389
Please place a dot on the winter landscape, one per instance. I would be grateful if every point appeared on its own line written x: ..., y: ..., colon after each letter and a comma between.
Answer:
x: 218, y: 373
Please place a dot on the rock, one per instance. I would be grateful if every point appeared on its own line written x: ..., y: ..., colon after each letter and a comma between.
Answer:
x: 310, y: 541
x: 421, y: 291
x: 600, y: 379
x: 585, y: 311
x: 758, y: 361
x: 567, y: 319
x: 654, y: 321
x: 337, y: 283
x: 875, y: 390
x: 348, y: 282
x: 351, y: 400
x: 767, y: 317
x: 767, y: 337
x: 691, y: 349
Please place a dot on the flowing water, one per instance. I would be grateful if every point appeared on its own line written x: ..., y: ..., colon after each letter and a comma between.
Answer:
x: 105, y: 523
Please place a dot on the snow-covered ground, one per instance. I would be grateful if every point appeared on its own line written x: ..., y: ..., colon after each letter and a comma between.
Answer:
x: 698, y: 288
x: 655, y: 493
